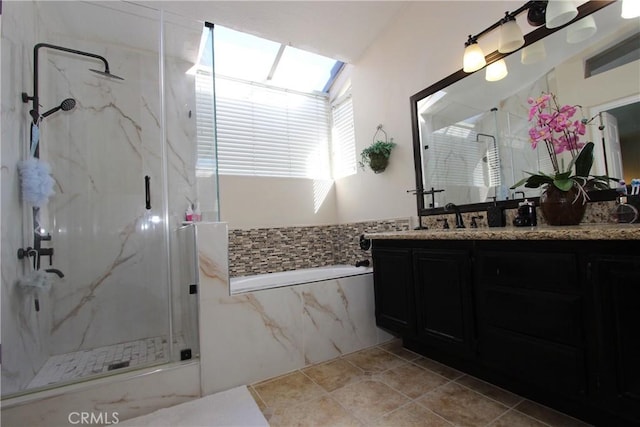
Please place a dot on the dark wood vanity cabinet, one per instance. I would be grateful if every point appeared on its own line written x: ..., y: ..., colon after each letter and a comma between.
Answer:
x: 424, y: 294
x: 393, y: 289
x: 530, y: 320
x: 443, y: 298
x: 616, y: 282
x: 555, y: 321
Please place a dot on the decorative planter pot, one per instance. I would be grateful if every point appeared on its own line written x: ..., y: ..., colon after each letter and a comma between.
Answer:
x: 378, y: 162
x: 561, y: 207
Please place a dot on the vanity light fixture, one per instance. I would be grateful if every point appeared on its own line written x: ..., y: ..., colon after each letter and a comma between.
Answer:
x: 510, y: 37
x: 496, y: 71
x: 581, y: 30
x: 535, y: 15
x: 630, y: 9
x: 473, y: 59
x: 560, y: 12
x: 552, y: 13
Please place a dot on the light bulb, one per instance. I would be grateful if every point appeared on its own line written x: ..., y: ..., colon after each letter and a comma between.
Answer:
x: 510, y: 37
x: 496, y: 71
x: 473, y: 58
x: 560, y: 12
x: 581, y: 30
x: 533, y: 53
x: 630, y: 9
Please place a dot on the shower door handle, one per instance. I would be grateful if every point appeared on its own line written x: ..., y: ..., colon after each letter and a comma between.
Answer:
x: 147, y: 198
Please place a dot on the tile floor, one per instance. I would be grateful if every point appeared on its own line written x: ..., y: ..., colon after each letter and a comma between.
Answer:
x: 80, y: 364
x: 388, y: 385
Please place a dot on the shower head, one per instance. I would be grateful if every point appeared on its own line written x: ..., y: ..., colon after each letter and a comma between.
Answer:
x: 66, y: 105
x: 478, y: 135
x: 106, y: 73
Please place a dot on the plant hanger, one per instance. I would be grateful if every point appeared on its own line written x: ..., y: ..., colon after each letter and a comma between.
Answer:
x: 378, y: 130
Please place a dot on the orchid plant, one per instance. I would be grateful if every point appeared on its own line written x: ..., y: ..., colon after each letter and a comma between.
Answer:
x: 554, y: 127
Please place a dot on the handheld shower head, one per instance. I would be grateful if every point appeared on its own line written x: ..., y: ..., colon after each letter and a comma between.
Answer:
x: 66, y: 105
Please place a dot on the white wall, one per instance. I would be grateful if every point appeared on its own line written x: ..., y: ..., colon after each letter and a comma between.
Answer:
x: 610, y: 87
x: 422, y: 45
x: 249, y: 202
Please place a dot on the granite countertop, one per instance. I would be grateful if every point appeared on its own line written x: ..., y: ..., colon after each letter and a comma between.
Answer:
x: 574, y: 232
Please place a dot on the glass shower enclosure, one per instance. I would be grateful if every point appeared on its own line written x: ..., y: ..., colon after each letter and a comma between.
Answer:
x: 94, y: 280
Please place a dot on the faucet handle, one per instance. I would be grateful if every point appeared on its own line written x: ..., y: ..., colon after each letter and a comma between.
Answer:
x: 446, y: 223
x: 474, y: 224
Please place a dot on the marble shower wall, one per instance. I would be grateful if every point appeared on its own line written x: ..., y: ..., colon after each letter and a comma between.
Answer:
x: 23, y: 329
x: 257, y: 335
x: 112, y: 253
x: 111, y: 249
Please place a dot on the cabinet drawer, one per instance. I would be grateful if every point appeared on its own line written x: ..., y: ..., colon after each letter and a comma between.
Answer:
x: 549, y: 316
x: 554, y: 367
x: 533, y: 270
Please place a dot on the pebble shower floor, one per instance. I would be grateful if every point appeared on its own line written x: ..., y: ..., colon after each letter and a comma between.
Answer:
x: 79, y: 364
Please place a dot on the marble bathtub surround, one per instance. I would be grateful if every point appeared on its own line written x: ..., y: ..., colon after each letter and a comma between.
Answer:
x: 253, y: 336
x: 387, y: 385
x: 269, y: 250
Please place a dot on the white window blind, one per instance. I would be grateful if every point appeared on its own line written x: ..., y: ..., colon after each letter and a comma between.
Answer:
x: 263, y: 131
x: 343, y: 141
x: 205, y: 125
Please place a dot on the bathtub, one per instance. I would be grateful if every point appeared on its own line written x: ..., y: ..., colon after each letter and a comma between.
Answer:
x: 258, y: 282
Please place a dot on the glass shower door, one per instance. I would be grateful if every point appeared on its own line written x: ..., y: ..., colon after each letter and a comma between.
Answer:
x: 123, y: 159
x: 111, y: 310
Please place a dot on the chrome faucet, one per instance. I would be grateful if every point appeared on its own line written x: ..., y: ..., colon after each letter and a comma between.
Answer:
x: 456, y: 209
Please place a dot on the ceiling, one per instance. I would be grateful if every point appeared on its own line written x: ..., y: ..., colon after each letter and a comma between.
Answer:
x: 341, y: 30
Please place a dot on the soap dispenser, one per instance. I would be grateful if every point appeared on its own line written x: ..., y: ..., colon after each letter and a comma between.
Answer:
x: 197, y: 214
x: 526, y: 214
x: 495, y: 216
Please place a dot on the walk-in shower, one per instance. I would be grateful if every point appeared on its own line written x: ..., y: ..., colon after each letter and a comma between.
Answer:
x: 112, y: 297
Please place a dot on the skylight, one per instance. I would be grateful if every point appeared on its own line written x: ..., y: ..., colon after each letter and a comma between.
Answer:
x: 243, y: 56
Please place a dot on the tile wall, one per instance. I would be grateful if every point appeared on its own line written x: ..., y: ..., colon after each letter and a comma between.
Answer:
x: 269, y: 250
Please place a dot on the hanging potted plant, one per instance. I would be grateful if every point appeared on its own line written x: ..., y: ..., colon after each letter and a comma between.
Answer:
x: 564, y: 196
x: 376, y: 156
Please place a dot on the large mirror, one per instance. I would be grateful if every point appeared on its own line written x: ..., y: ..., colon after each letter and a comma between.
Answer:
x: 471, y: 138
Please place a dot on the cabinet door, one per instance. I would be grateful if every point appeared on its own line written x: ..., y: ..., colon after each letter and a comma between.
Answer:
x: 444, y: 302
x: 530, y: 323
x: 393, y: 289
x: 617, y: 284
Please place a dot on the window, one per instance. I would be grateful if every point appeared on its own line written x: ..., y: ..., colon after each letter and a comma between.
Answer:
x: 269, y: 132
x: 271, y: 107
x: 343, y: 138
x: 205, y: 130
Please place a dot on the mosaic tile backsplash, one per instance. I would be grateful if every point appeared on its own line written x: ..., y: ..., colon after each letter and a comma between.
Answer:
x: 269, y: 250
